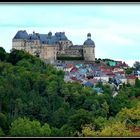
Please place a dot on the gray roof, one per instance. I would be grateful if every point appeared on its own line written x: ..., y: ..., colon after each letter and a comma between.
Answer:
x: 33, y: 36
x: 60, y: 36
x: 44, y: 38
x: 89, y: 42
x: 21, y: 35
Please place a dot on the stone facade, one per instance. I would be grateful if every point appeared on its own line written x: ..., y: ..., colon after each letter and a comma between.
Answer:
x: 89, y: 54
x: 48, y: 47
x: 89, y: 49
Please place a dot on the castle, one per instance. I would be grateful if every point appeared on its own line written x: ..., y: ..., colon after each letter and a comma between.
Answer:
x: 53, y: 47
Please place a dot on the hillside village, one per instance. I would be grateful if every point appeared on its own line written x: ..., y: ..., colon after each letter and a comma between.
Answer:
x: 107, y: 72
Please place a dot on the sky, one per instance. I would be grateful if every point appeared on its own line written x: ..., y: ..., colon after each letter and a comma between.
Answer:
x: 114, y: 28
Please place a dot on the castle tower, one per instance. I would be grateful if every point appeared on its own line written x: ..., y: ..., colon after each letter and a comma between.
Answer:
x: 89, y: 49
x: 19, y: 40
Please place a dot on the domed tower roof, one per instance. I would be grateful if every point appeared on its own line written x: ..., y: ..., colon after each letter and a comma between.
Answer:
x: 89, y: 42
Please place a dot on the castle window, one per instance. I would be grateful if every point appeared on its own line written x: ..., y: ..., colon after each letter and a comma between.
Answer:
x: 93, y: 51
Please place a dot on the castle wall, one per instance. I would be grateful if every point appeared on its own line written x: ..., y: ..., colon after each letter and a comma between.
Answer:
x: 48, y: 52
x: 18, y: 44
x: 71, y: 53
x: 64, y: 44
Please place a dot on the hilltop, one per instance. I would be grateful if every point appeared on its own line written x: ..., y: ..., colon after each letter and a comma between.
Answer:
x: 35, y: 100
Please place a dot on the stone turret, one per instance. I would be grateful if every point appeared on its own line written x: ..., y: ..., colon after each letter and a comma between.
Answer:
x: 89, y: 49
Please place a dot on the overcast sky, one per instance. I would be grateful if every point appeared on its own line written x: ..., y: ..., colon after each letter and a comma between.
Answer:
x: 115, y: 28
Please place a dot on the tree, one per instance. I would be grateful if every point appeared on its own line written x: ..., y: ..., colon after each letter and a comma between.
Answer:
x: 80, y: 118
x: 60, y: 117
x: 118, y: 102
x: 88, y: 131
x: 118, y: 130
x: 46, y: 131
x: 15, y: 56
x: 1, y: 133
x: 68, y: 130
x: 100, y: 123
x: 24, y: 127
x: 132, y: 114
x: 3, y: 122
x: 2, y: 54
x: 97, y: 61
x: 136, y: 65
x: 56, y: 132
x: 137, y: 83
x: 129, y: 70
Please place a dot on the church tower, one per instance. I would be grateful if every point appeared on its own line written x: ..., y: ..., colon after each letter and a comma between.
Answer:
x: 89, y: 49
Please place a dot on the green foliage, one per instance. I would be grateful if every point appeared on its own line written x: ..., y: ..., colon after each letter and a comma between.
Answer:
x: 88, y: 131
x: 129, y: 70
x: 2, y: 54
x: 23, y: 127
x: 130, y: 115
x: 3, y: 122
x: 17, y: 55
x: 1, y: 133
x: 35, y: 101
x: 119, y: 102
x: 46, y: 131
x: 100, y: 123
x: 60, y: 116
x: 80, y: 118
x: 137, y: 83
x: 97, y: 61
x: 68, y: 131
x: 117, y: 129
x: 56, y: 132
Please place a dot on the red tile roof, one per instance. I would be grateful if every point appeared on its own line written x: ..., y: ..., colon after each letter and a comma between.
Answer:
x: 74, y: 69
x: 131, y: 77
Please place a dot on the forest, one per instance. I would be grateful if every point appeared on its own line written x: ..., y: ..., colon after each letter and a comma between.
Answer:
x: 36, y: 102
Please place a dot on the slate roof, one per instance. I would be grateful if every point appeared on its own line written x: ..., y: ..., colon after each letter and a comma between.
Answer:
x: 44, y: 38
x: 21, y: 35
x: 88, y: 84
x: 33, y: 37
x: 89, y: 42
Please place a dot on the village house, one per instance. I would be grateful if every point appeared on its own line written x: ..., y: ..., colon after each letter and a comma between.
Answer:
x: 131, y: 79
